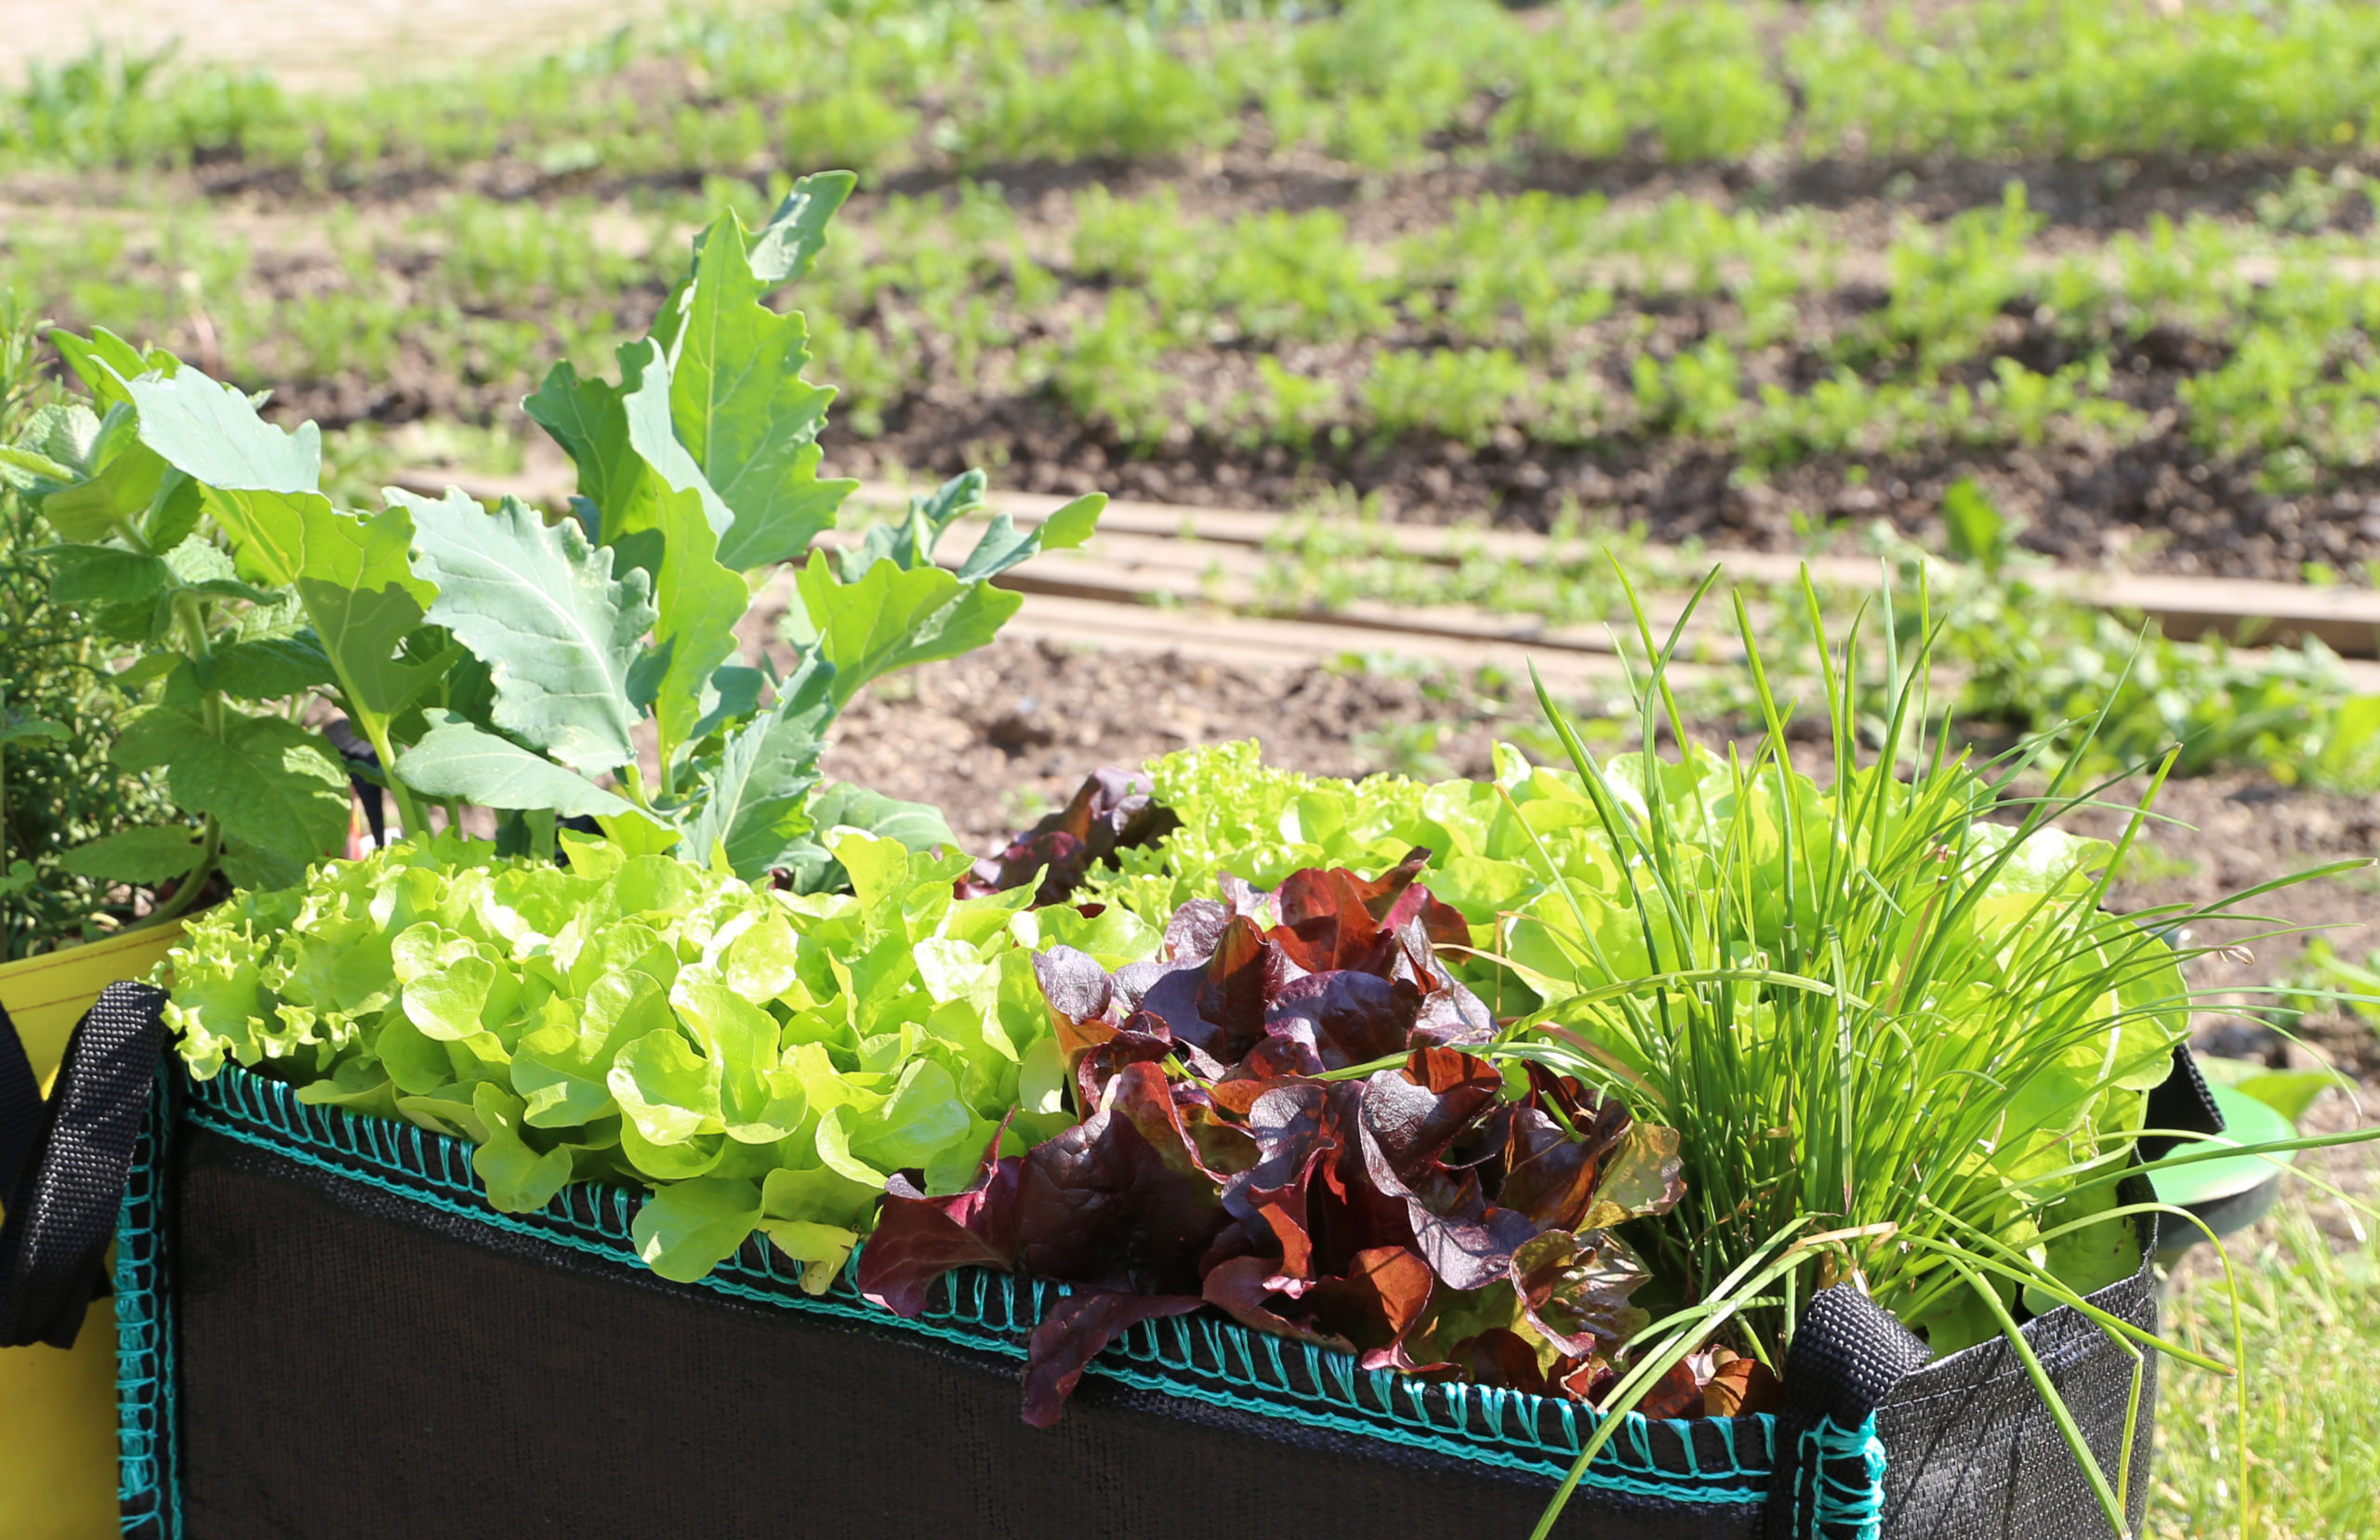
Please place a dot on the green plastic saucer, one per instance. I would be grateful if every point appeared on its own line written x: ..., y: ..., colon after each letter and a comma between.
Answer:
x: 2234, y: 1191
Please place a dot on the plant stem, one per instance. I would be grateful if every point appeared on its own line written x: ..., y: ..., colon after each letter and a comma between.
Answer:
x: 191, y: 883
x: 632, y: 783
x: 377, y: 734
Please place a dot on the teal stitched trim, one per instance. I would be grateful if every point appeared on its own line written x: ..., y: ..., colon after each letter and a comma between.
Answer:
x: 1219, y: 1363
x: 1846, y: 1469
x: 148, y: 1488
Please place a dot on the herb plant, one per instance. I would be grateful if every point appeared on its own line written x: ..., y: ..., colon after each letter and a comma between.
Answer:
x: 59, y: 715
x: 1902, y: 1038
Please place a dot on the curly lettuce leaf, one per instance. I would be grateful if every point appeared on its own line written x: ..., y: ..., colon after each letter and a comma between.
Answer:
x: 761, y: 1060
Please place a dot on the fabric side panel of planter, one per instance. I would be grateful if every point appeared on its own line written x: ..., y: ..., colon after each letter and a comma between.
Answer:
x: 148, y: 1486
x: 1975, y: 1454
x: 359, y: 1365
x: 1697, y: 1463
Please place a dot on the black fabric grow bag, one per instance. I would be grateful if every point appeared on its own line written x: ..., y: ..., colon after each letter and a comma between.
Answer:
x: 327, y: 1332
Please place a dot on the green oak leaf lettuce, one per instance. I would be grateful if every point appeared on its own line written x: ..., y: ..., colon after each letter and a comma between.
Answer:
x: 763, y: 1061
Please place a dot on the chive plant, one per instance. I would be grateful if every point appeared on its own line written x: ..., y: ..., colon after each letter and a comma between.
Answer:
x: 1904, y: 1041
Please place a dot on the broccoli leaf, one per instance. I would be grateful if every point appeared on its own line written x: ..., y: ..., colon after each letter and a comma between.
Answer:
x: 542, y: 611
x: 351, y: 572
x: 455, y: 758
x: 739, y: 405
x: 753, y: 797
x: 697, y: 600
x: 894, y: 617
x: 1004, y: 545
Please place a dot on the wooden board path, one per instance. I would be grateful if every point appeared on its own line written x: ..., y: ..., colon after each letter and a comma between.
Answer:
x: 1185, y: 579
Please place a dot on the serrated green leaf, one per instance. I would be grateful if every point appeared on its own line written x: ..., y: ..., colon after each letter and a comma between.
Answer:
x: 455, y: 758
x: 267, y: 669
x: 754, y: 799
x: 269, y: 782
x: 205, y: 568
x: 910, y: 540
x: 151, y: 666
x: 1005, y: 546
x: 786, y: 248
x: 519, y: 1179
x: 223, y: 588
x: 260, y: 871
x: 894, y: 618
x: 739, y: 405
x: 32, y: 471
x: 541, y: 608
x: 137, y: 855
x: 917, y: 826
x: 689, y: 1228
x: 697, y: 600
x: 53, y: 452
x: 146, y: 739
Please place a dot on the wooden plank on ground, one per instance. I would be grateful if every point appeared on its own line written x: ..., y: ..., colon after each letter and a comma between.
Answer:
x: 2244, y: 610
x: 1222, y: 637
x: 1173, y: 549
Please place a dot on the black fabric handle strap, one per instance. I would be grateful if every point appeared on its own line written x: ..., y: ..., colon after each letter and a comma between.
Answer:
x: 72, y: 1155
x: 20, y: 1109
x: 1848, y: 1355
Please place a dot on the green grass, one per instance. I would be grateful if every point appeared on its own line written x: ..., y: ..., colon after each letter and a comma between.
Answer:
x: 1384, y: 84
x: 2018, y: 658
x: 1531, y: 314
x: 1685, y: 324
x: 2311, y: 1320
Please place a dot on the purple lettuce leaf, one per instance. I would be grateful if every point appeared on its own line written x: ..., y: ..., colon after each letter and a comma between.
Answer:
x: 1111, y: 810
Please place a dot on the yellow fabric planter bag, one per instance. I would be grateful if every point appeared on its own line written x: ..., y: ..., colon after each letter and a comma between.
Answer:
x: 57, y: 1417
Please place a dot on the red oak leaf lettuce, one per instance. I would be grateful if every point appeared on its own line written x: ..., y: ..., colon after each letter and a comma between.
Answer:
x: 1282, y: 1119
x: 1111, y: 810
